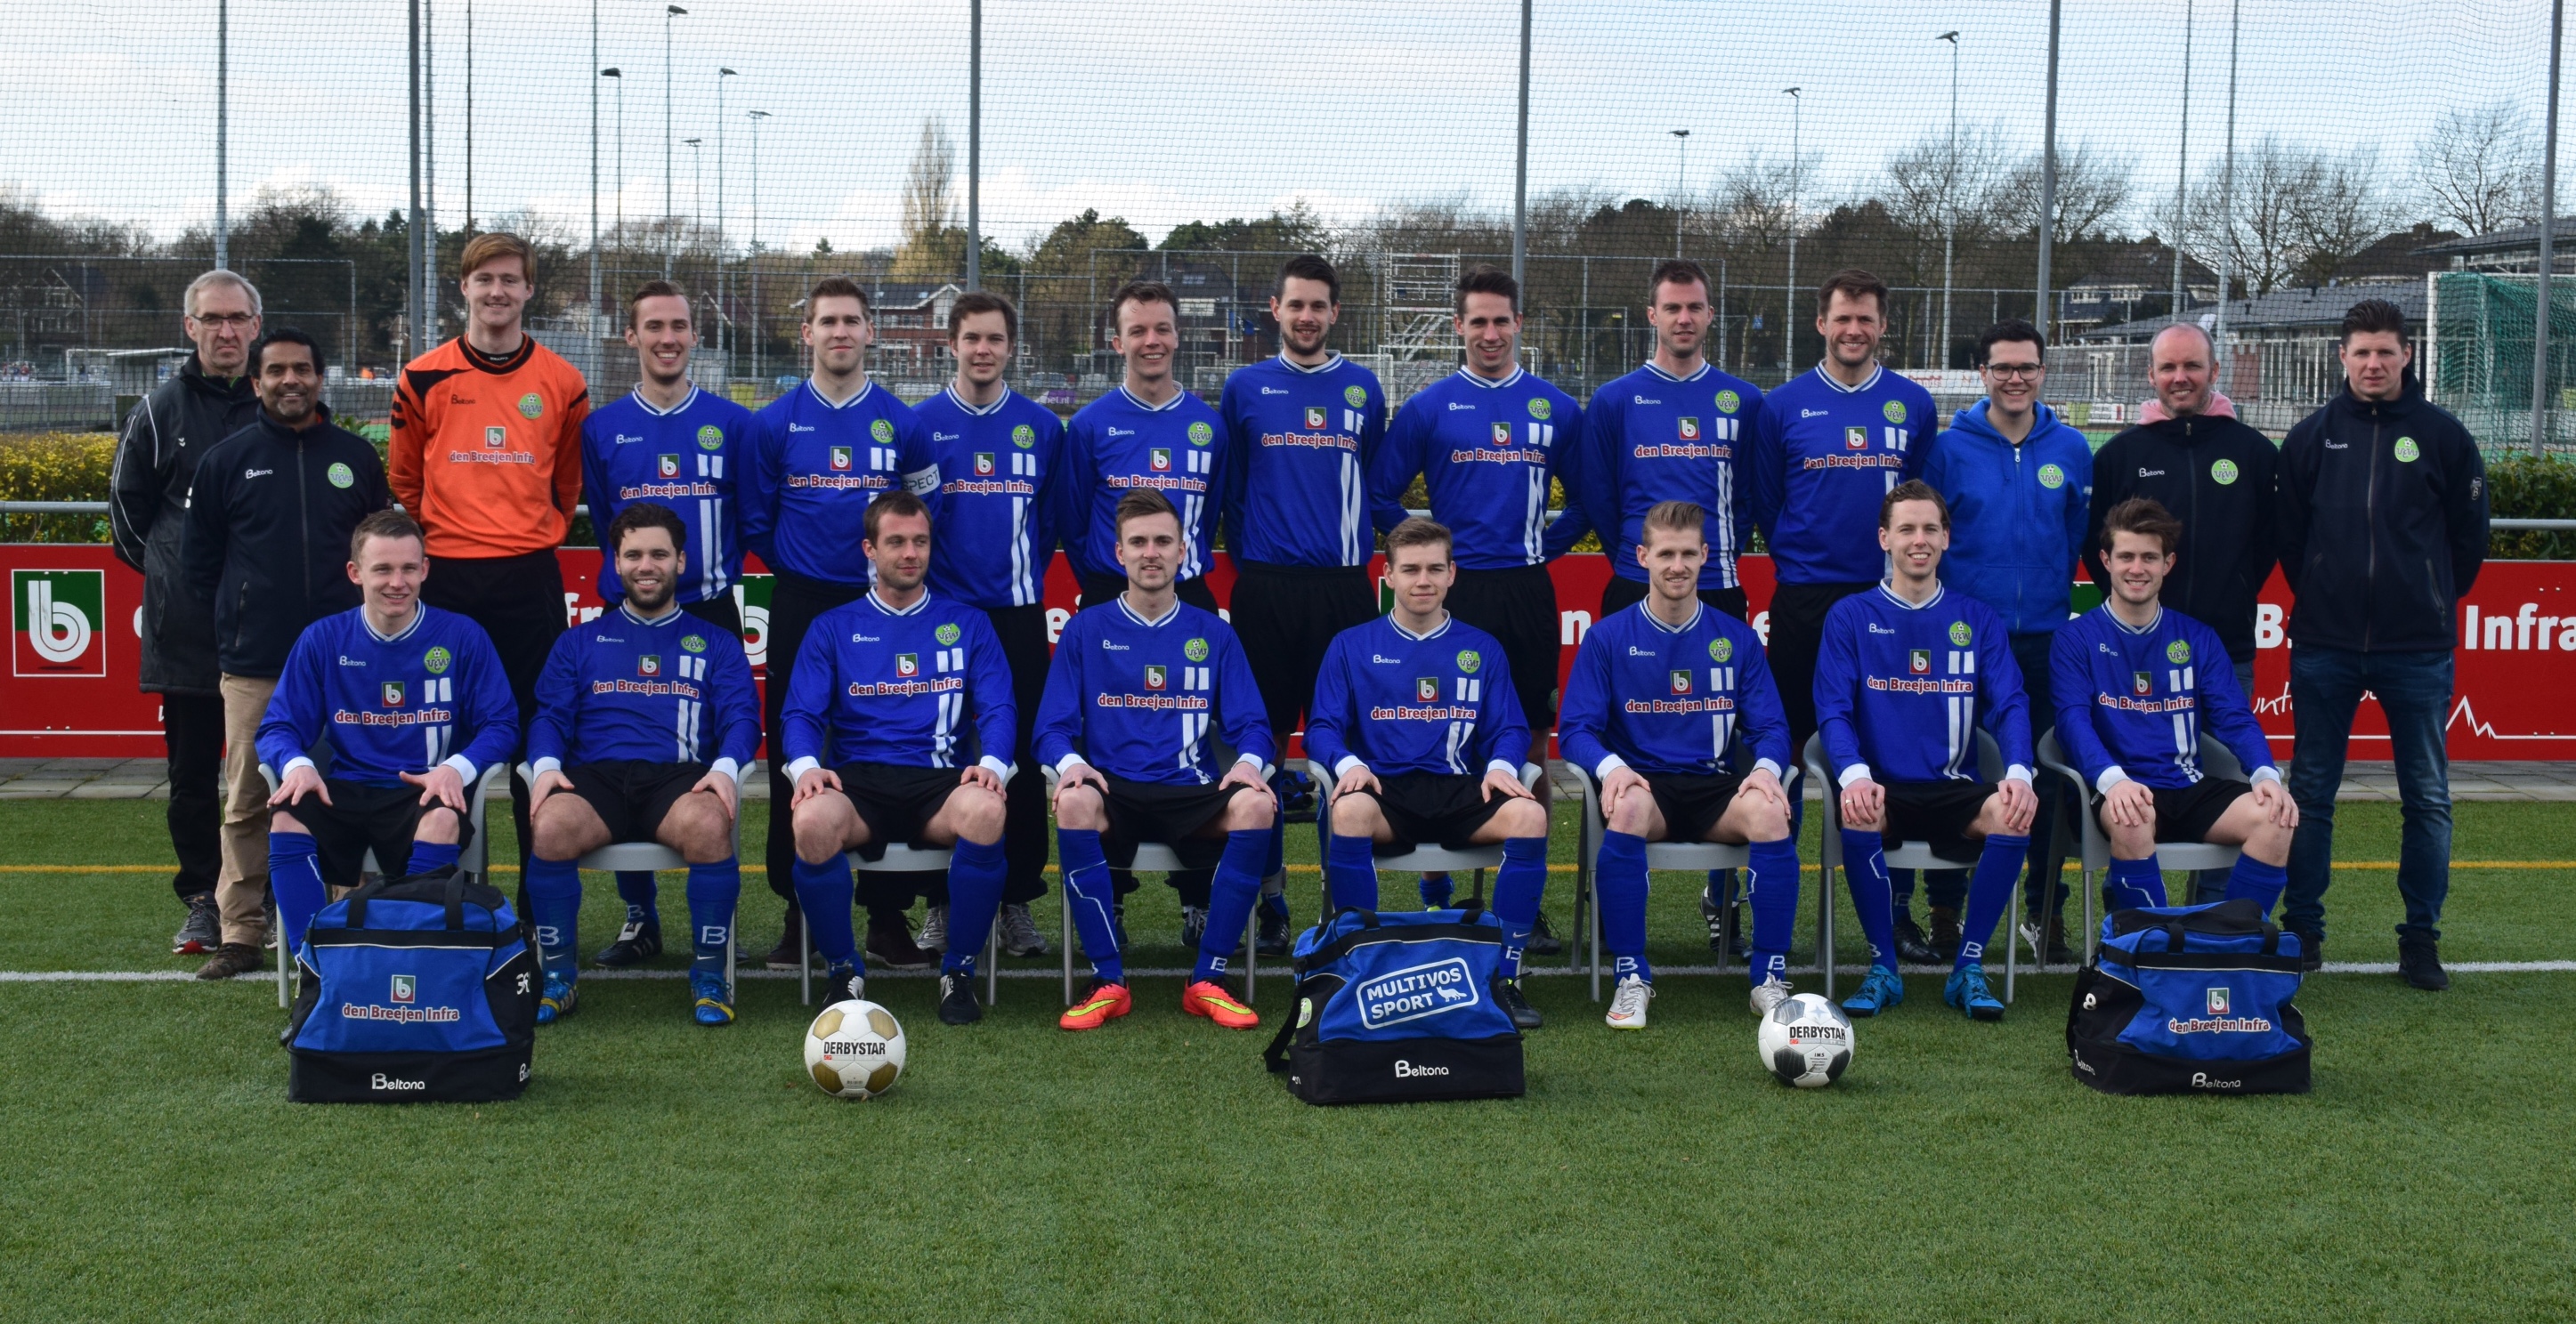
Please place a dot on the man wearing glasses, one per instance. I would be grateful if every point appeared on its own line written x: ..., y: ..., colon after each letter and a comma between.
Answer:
x: 2019, y: 483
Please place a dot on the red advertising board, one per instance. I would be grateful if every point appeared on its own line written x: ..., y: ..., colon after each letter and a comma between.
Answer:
x: 74, y: 608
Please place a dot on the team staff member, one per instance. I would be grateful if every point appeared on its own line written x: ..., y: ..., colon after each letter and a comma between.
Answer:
x: 486, y: 454
x: 818, y: 456
x: 2018, y: 482
x: 268, y: 517
x: 669, y: 443
x: 999, y: 455
x: 1827, y: 449
x: 207, y: 400
x: 2383, y: 530
x: 1304, y: 427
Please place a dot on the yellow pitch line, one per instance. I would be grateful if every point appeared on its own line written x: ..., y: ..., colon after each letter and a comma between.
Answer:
x: 2358, y: 865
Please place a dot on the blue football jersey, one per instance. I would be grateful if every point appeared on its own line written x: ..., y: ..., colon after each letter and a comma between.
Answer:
x: 814, y: 466
x: 993, y: 526
x: 1822, y: 458
x: 673, y: 690
x: 432, y: 692
x: 1672, y: 700
x: 1651, y: 437
x: 874, y: 684
x: 684, y: 458
x: 1487, y: 451
x: 1901, y: 689
x: 1118, y: 443
x: 1296, y: 480
x: 2131, y: 703
x: 1137, y: 698
x: 1403, y: 702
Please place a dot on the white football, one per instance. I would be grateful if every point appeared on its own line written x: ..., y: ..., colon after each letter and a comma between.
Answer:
x: 1806, y: 1041
x: 854, y: 1050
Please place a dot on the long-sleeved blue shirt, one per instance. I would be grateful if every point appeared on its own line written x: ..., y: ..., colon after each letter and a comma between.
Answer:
x: 1901, y: 689
x: 2131, y: 703
x: 672, y: 690
x: 812, y: 469
x: 1404, y: 702
x: 993, y: 526
x: 1651, y: 437
x: 687, y: 458
x: 1296, y: 481
x: 1487, y: 451
x: 432, y: 692
x: 1681, y: 702
x: 2017, y: 514
x: 1118, y: 443
x: 877, y: 685
x: 1822, y: 458
x: 1136, y: 698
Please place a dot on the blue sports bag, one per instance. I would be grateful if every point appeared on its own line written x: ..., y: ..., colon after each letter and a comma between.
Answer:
x: 415, y: 989
x: 2190, y: 999
x: 1399, y: 1007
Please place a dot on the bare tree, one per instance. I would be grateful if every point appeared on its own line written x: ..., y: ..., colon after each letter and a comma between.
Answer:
x: 1928, y: 188
x: 930, y: 207
x: 2258, y: 236
x: 2482, y: 168
x: 2092, y: 194
x: 2341, y: 209
x: 1753, y: 206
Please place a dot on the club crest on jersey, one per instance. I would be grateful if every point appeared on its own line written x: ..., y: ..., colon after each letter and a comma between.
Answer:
x: 907, y: 664
x: 1161, y: 461
x: 1919, y: 661
x: 2178, y: 652
x: 2143, y: 682
x: 1024, y: 436
x: 393, y: 694
x: 1195, y: 650
x: 1855, y: 439
x: 1155, y: 675
x: 1201, y: 434
x: 1356, y: 397
x: 1426, y: 688
x: 983, y: 464
x: 710, y: 437
x: 1681, y: 681
x: 648, y: 664
x: 531, y: 406
x: 436, y: 660
x: 1468, y: 661
x: 340, y: 475
x: 1315, y: 418
x: 841, y: 459
x: 1502, y: 434
x: 668, y: 466
x: 1728, y: 402
x: 1690, y: 429
x: 1538, y: 407
x: 2223, y: 472
x: 695, y: 643
x: 1960, y: 634
x: 2051, y: 477
x: 495, y: 437
x: 1720, y: 650
x: 947, y: 634
x: 1895, y: 411
x: 882, y: 430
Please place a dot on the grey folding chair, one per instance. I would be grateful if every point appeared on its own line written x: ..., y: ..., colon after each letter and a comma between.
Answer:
x: 652, y: 857
x: 1907, y: 855
x: 1151, y: 857
x: 1420, y: 859
x: 475, y: 861
x: 2215, y: 759
x: 1665, y: 856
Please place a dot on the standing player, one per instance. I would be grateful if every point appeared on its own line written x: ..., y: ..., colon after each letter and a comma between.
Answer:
x: 1137, y: 685
x: 999, y: 453
x: 670, y: 443
x: 1673, y: 430
x: 886, y: 688
x: 1414, y: 713
x: 1906, y: 676
x: 415, y: 705
x: 818, y: 456
x: 645, y: 721
x: 1485, y: 441
x: 486, y: 453
x: 1666, y: 699
x: 1304, y: 427
x: 2135, y: 684
x: 1149, y: 435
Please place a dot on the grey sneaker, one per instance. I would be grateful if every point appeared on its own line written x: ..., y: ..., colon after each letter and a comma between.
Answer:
x: 1020, y: 936
x: 934, y: 930
x: 203, y: 932
x: 1768, y: 994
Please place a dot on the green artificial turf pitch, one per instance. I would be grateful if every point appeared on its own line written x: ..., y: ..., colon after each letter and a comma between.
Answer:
x: 1154, y: 1171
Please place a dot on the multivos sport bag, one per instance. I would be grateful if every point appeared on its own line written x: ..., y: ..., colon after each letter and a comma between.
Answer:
x: 418, y: 989
x: 1396, y: 1008
x: 2190, y: 1000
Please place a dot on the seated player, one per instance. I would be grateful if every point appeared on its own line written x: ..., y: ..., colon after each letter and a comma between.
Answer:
x: 1909, y: 671
x: 1133, y: 692
x: 1415, y: 715
x: 630, y: 708
x: 1664, y: 697
x: 885, y: 688
x: 2137, y: 682
x: 413, y: 706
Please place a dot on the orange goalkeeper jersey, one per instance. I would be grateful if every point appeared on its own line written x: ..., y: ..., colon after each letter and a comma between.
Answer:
x: 487, y: 456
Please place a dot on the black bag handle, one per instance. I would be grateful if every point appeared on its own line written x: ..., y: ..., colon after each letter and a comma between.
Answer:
x: 366, y: 892
x: 1368, y: 918
x: 454, y: 896
x: 1275, y: 1057
x: 2271, y: 938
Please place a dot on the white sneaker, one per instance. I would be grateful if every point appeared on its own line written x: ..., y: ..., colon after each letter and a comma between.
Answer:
x: 1768, y: 994
x: 934, y: 930
x: 1628, y: 1004
x: 1020, y: 936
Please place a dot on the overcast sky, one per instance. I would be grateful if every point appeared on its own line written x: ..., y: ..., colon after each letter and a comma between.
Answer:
x: 1166, y: 112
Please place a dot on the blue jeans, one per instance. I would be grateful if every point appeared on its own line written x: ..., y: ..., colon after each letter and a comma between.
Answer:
x: 2414, y: 689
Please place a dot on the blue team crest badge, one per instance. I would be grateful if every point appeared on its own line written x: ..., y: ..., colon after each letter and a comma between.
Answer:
x: 1895, y: 411
x: 1855, y: 439
x: 1919, y: 661
x: 1728, y: 402
x: 1426, y: 689
x: 666, y: 466
x: 1201, y: 434
x: 1960, y: 634
x: 1024, y: 436
x: 710, y: 437
x: 882, y: 430
x: 1681, y: 680
x: 1538, y: 407
x: 393, y: 694
x: 2178, y: 652
x: 436, y: 659
x: 1156, y: 675
x: 947, y: 634
x: 1160, y: 459
x: 2051, y: 477
x: 1195, y: 650
x: 695, y: 643
x: 1720, y: 650
x: 1355, y: 397
x: 840, y: 459
x: 1314, y: 418
x: 1689, y: 429
x: 1468, y: 661
x: 1502, y: 434
x: 907, y: 664
x: 2144, y: 683
x: 983, y: 464
x: 648, y: 665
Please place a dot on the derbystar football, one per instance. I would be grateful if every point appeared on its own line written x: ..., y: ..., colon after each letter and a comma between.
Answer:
x: 1806, y: 1041
x: 854, y: 1050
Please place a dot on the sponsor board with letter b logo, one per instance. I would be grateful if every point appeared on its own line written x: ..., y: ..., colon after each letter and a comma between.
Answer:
x: 57, y: 622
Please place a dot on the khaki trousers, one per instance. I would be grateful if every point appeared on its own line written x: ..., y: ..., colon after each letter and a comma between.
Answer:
x: 241, y: 893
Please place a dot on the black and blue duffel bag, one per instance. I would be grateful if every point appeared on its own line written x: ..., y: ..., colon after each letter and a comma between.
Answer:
x: 418, y: 989
x: 1399, y: 1008
x: 2190, y: 1000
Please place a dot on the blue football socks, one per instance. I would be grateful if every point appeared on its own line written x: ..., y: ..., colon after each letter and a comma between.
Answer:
x: 432, y: 856
x: 1774, y: 897
x: 714, y: 890
x: 2258, y: 882
x: 1087, y: 890
x: 1230, y: 897
x: 554, y: 906
x: 1865, y: 868
x: 1619, y: 875
x: 643, y: 900
x: 2136, y: 884
x: 1989, y: 892
x: 1350, y: 868
x: 1437, y: 891
x: 823, y: 892
x: 1518, y: 887
x: 295, y: 875
x: 975, y: 876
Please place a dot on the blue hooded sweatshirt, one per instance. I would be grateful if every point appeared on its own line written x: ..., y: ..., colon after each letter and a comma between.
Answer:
x: 2017, y: 514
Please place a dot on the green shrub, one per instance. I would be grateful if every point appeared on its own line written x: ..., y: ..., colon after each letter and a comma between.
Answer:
x: 2525, y: 487
x: 55, y: 466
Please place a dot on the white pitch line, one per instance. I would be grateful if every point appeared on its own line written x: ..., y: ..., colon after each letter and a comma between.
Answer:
x: 1175, y: 972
